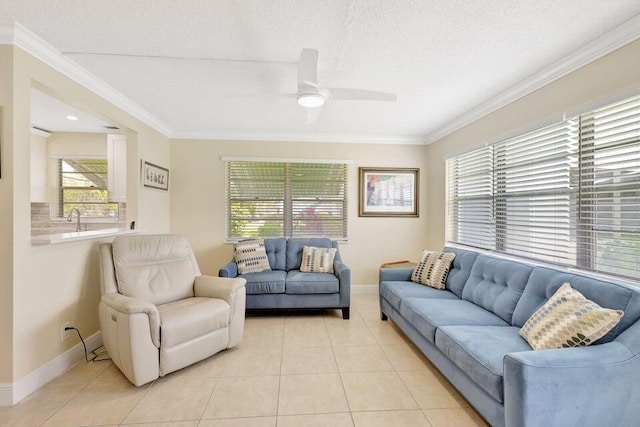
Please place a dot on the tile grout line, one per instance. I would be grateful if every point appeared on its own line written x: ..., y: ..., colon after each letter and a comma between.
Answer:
x: 64, y: 404
x: 344, y: 390
x: 206, y: 405
x: 138, y: 401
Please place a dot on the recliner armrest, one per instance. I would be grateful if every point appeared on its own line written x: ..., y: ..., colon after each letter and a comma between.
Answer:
x: 128, y: 305
x: 229, y: 270
x: 217, y: 287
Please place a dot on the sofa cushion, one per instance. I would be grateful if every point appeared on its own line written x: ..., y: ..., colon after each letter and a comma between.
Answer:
x: 251, y: 256
x: 395, y: 291
x: 426, y: 314
x: 276, y: 252
x: 265, y: 282
x: 544, y: 282
x: 460, y: 269
x: 295, y: 246
x: 433, y: 268
x: 317, y: 260
x: 187, y: 319
x: 496, y: 285
x: 568, y: 319
x: 479, y: 352
x: 299, y: 282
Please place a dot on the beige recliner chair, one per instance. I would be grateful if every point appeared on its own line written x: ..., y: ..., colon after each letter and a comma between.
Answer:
x: 158, y: 314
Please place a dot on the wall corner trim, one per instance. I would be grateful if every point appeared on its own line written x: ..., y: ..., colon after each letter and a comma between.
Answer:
x: 12, y: 393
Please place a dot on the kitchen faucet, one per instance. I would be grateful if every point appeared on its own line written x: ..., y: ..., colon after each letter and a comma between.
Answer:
x: 71, y: 215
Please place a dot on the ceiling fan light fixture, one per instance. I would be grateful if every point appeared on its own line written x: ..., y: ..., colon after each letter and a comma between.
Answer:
x: 310, y: 100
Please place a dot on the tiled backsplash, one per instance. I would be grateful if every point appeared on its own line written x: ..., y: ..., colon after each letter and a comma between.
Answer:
x: 41, y: 222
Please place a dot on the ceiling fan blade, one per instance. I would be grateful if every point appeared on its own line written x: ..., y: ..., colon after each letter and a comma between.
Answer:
x: 308, y: 68
x: 313, y: 114
x: 342, y: 94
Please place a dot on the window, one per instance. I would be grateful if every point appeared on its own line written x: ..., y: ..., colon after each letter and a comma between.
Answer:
x: 82, y: 185
x: 567, y: 193
x: 291, y: 199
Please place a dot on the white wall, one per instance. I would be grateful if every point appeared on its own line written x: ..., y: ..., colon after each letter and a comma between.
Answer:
x: 198, y: 200
x: 51, y: 285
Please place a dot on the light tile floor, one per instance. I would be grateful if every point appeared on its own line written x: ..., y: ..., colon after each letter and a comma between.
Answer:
x: 310, y: 370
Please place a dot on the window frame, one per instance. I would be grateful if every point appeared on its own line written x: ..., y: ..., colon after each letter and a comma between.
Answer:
x: 60, y: 191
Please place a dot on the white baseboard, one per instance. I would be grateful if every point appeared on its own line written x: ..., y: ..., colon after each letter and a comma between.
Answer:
x: 12, y: 393
x: 364, y: 289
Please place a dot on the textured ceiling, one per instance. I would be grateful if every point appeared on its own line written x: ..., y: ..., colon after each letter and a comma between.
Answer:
x: 220, y: 68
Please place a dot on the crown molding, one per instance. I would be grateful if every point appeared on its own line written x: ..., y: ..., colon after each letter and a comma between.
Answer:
x: 299, y: 137
x: 18, y: 35
x: 607, y: 43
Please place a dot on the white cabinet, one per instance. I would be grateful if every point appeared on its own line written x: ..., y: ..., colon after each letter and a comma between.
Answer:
x: 117, y: 167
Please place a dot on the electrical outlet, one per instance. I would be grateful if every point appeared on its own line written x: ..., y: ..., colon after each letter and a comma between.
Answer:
x: 64, y: 334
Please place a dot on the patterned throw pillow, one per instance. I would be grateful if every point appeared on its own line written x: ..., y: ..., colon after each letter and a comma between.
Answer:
x: 251, y: 256
x: 317, y: 260
x: 568, y: 319
x: 433, y: 268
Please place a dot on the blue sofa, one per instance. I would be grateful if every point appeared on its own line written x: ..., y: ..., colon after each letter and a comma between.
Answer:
x: 470, y: 333
x: 286, y: 287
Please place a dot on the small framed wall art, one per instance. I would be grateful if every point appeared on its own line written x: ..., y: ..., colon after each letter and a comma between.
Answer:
x: 154, y: 176
x: 388, y: 192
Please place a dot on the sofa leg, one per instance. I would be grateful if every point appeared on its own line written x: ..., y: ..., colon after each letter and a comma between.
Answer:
x: 383, y: 316
x: 345, y: 313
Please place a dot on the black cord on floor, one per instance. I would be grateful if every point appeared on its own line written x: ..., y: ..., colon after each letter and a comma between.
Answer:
x: 86, y: 354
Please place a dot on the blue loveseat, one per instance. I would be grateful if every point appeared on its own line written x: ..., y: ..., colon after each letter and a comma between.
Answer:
x: 470, y: 333
x: 286, y: 287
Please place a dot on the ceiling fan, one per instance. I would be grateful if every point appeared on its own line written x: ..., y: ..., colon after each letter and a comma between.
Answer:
x: 312, y: 97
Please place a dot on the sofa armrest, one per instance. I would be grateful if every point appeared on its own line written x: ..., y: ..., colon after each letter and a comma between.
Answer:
x: 128, y: 306
x: 229, y: 270
x: 343, y: 273
x: 395, y: 274
x: 572, y: 386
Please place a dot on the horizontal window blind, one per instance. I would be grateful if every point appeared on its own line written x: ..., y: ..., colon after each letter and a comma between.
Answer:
x: 609, y: 232
x: 470, y: 218
x: 535, y: 199
x: 274, y: 199
x: 318, y: 199
x: 255, y: 199
x: 567, y: 193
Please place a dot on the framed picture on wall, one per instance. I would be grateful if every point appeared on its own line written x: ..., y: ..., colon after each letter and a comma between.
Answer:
x: 154, y: 176
x: 388, y: 192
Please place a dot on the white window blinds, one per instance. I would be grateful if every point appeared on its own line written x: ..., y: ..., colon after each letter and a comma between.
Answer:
x: 567, y: 194
x: 470, y: 203
x: 534, y: 197
x: 609, y: 229
x: 291, y: 199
